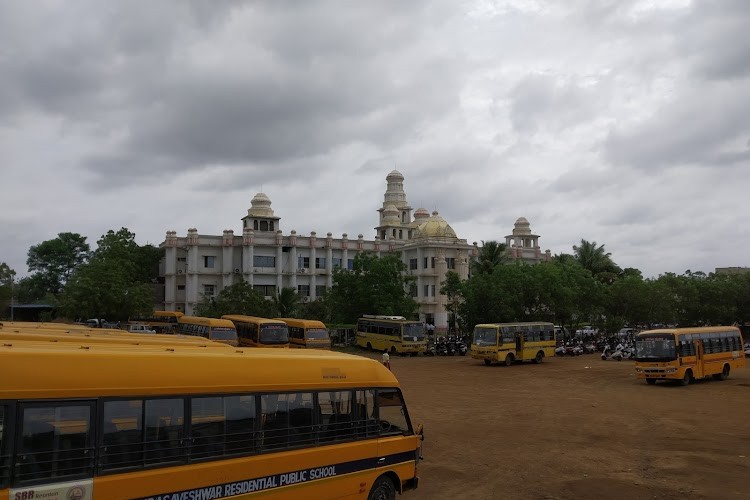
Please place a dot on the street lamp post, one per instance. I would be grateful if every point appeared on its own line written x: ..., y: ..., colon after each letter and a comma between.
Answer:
x: 12, y: 292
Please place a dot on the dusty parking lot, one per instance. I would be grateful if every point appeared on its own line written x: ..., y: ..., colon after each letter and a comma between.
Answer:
x: 575, y: 427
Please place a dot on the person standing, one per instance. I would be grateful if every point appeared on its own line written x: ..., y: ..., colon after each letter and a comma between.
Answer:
x: 386, y: 360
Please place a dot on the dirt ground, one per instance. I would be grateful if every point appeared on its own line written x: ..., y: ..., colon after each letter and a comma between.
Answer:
x: 575, y: 428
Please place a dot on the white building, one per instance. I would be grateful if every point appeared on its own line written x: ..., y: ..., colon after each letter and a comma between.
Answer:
x: 198, y: 266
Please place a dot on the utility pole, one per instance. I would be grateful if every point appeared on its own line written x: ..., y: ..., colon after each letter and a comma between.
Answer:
x: 12, y: 292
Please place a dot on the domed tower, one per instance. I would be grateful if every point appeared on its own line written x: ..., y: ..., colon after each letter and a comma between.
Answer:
x: 435, y: 227
x: 523, y: 244
x: 260, y: 215
x: 394, y: 198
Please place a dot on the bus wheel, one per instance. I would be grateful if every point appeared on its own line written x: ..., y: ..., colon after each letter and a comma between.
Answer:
x: 650, y: 381
x: 508, y: 360
x: 369, y: 346
x: 724, y: 373
x: 686, y: 379
x: 487, y: 362
x: 383, y: 489
x: 539, y: 357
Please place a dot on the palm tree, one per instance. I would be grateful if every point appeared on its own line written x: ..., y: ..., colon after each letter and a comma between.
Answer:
x: 491, y: 255
x: 594, y: 258
x: 286, y: 302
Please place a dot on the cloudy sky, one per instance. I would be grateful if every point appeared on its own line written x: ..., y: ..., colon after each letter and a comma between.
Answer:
x: 622, y: 122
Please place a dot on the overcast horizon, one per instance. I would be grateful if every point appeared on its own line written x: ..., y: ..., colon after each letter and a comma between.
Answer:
x: 626, y: 123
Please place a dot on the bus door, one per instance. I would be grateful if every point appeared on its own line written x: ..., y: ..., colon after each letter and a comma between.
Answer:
x: 698, y: 368
x: 519, y: 345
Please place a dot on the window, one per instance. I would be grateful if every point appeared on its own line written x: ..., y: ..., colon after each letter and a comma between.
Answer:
x: 392, y: 414
x: 336, y: 416
x: 122, y: 434
x: 451, y: 262
x: 209, y: 290
x: 320, y: 290
x: 303, y: 262
x: 350, y: 264
x: 426, y: 291
x: 336, y: 263
x: 287, y: 421
x: 264, y: 261
x: 303, y: 290
x: 413, y: 291
x: 221, y: 426
x: 163, y: 423
x: 266, y: 290
x: 209, y: 261
x: 55, y: 442
x: 429, y: 261
x: 412, y: 264
x: 180, y: 287
x: 320, y: 262
x: 4, y: 462
x: 181, y: 259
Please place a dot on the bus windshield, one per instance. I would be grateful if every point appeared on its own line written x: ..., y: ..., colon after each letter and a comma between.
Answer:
x: 655, y: 348
x: 316, y: 334
x: 223, y: 333
x: 414, y: 331
x: 485, y: 336
x: 274, y: 334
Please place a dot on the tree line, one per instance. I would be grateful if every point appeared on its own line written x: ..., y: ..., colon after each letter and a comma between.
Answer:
x: 116, y: 281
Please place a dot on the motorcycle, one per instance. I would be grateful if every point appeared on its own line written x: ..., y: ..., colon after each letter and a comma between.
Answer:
x: 461, y: 347
x: 452, y: 346
x: 441, y: 347
x: 430, y: 350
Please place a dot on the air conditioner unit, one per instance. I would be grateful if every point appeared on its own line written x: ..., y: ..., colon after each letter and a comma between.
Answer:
x: 305, y: 298
x: 302, y: 270
x: 236, y: 270
x: 179, y: 271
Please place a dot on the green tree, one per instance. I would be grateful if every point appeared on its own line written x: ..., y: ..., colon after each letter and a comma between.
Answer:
x: 55, y: 260
x: 375, y: 285
x: 596, y: 260
x: 114, y: 283
x: 451, y: 288
x: 491, y: 255
x: 287, y: 302
x: 239, y: 298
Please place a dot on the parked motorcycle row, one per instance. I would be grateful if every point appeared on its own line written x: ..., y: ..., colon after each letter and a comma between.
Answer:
x: 452, y: 345
x: 619, y: 352
x: 575, y: 349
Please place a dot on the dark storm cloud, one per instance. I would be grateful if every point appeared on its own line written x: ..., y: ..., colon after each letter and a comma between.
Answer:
x: 289, y: 81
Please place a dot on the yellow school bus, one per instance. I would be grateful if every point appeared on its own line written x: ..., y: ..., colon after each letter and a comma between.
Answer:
x: 161, y: 321
x: 103, y: 336
x: 189, y: 424
x: 687, y: 354
x: 253, y: 331
x: 510, y: 342
x: 307, y: 333
x: 216, y: 329
x: 395, y: 334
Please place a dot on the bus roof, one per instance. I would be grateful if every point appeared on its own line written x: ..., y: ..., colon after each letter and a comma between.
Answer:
x: 97, y: 337
x: 689, y: 330
x: 250, y: 319
x: 307, y: 323
x: 200, y: 320
x: 168, y: 314
x: 39, y: 370
x: 519, y: 323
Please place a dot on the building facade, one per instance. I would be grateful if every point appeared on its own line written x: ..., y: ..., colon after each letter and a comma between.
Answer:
x: 198, y: 266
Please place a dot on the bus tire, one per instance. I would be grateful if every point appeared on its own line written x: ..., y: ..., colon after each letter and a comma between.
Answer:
x: 686, y: 378
x: 539, y: 357
x: 382, y: 489
x: 651, y: 381
x: 487, y: 362
x: 508, y: 360
x: 369, y: 346
x: 724, y: 373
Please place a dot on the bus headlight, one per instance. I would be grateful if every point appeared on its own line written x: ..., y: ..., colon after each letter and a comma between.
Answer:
x: 638, y: 370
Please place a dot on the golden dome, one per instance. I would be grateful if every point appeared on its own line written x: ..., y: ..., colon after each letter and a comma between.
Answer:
x: 435, y: 227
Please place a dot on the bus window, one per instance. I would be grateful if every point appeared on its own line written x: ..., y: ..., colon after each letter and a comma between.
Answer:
x: 122, y: 434
x: 4, y: 459
x: 336, y: 418
x: 287, y: 420
x: 222, y: 426
x: 391, y: 413
x: 366, y: 421
x: 55, y: 442
x: 164, y: 430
